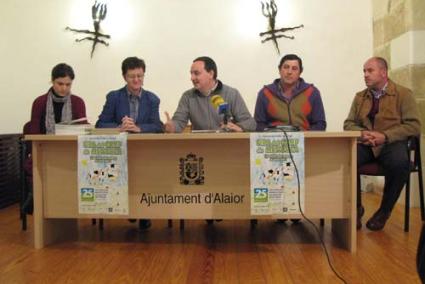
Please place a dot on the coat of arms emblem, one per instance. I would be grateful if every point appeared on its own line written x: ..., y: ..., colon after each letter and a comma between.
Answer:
x: 191, y: 170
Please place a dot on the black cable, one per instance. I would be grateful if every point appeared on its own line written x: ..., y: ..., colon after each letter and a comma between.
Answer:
x: 305, y: 217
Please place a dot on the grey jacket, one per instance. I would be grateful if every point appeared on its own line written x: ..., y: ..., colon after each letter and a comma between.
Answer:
x: 198, y: 109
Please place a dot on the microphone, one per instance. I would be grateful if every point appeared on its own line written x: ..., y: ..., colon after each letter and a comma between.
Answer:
x: 221, y: 106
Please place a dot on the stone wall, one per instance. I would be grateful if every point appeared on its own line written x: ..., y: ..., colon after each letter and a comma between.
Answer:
x: 399, y: 37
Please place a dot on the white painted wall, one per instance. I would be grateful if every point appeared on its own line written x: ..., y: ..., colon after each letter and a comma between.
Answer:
x: 168, y: 34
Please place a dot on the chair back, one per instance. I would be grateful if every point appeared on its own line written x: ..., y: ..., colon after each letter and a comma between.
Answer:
x: 414, y: 151
x: 26, y: 144
x: 26, y: 128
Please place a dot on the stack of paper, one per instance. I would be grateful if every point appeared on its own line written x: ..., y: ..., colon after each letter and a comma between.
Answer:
x: 73, y: 129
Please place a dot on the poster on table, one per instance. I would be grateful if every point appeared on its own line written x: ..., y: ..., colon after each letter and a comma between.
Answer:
x: 274, y: 183
x: 102, y: 174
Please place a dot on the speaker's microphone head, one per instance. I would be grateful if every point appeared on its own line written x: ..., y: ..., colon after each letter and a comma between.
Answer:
x: 217, y: 100
x: 219, y: 104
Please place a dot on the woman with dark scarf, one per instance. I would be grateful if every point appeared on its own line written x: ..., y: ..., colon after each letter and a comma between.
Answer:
x: 58, y: 104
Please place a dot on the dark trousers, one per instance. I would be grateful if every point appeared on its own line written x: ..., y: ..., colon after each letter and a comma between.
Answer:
x: 395, y: 162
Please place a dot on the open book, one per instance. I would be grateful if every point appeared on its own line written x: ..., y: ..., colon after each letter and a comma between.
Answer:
x: 75, y: 121
x: 72, y: 127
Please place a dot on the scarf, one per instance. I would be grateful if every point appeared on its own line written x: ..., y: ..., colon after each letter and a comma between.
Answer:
x: 50, y: 113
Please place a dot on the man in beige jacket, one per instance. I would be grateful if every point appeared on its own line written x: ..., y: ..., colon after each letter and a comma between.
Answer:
x: 386, y: 115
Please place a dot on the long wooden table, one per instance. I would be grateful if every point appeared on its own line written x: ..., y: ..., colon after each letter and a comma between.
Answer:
x: 153, y: 167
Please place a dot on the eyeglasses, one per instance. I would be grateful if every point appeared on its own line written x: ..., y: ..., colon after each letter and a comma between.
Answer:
x: 135, y: 76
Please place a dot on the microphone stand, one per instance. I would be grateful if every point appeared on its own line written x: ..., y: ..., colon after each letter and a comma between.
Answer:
x: 225, y: 121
